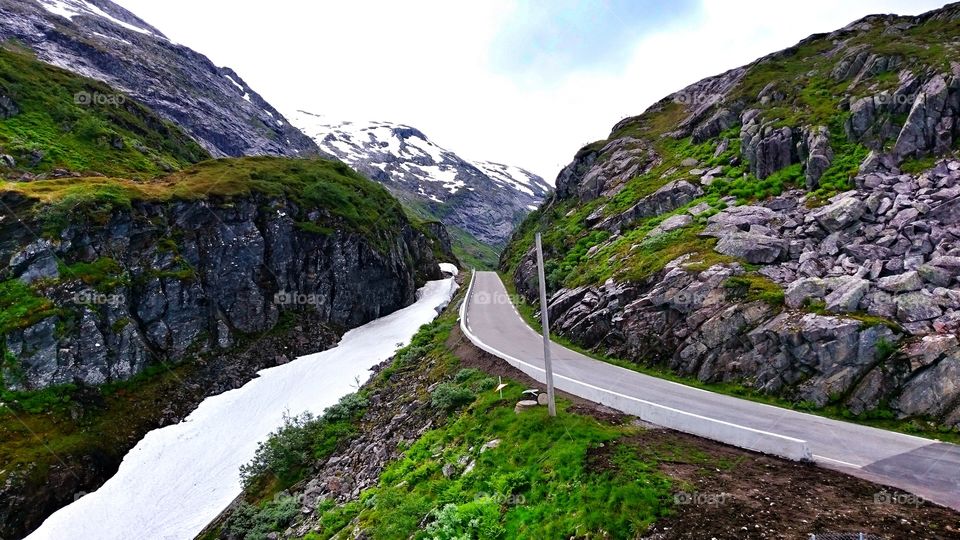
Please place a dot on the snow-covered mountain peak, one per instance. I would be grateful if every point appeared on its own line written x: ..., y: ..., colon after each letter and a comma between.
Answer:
x: 405, y: 153
x: 483, y: 198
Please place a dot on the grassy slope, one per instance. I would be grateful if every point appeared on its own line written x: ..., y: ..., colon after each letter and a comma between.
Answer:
x: 113, y: 135
x: 540, y: 461
x: 344, y: 198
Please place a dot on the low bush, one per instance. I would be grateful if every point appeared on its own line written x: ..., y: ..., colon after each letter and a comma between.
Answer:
x: 449, y: 396
x: 249, y: 522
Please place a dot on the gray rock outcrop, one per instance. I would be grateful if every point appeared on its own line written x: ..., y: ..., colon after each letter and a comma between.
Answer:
x: 194, y: 278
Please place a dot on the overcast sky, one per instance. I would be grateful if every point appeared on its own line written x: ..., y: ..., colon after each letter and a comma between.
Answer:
x: 523, y: 83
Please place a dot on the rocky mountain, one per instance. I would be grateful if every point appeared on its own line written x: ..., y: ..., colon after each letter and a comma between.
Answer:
x: 792, y: 226
x: 103, y: 41
x: 129, y: 294
x: 481, y: 202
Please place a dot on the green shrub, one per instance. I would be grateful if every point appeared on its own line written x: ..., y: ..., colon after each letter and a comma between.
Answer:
x: 250, y: 522
x: 464, y: 374
x: 754, y: 287
x: 474, y: 520
x: 349, y: 406
x: 301, y: 440
x: 286, y: 451
x: 450, y: 396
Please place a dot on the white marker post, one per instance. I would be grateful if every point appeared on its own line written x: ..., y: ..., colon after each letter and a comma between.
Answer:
x: 545, y: 321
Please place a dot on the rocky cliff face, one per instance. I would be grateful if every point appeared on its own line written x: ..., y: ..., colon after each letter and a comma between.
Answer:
x: 164, y: 282
x: 483, y: 199
x: 103, y: 41
x: 785, y: 225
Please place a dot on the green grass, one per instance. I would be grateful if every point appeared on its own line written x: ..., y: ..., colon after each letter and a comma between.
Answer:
x: 754, y: 287
x: 104, y: 273
x: 21, y: 306
x: 472, y: 252
x: 343, y: 199
x: 542, y: 480
x: 535, y: 483
x: 124, y: 139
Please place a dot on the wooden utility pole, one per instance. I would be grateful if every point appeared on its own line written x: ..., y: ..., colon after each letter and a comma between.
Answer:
x: 545, y: 321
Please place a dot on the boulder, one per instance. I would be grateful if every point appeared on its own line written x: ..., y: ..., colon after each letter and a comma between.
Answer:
x: 739, y: 217
x: 933, y: 391
x: 917, y: 306
x: 919, y: 133
x: 847, y: 294
x: 751, y: 247
x: 671, y: 223
x: 819, y: 155
x: 8, y: 108
x: 524, y: 405
x: 906, y: 282
x: 768, y: 150
x: 802, y: 289
x: 840, y: 214
x: 666, y: 199
x: 936, y: 275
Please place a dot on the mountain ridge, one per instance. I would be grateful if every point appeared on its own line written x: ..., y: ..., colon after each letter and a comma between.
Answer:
x: 484, y: 200
x: 103, y: 41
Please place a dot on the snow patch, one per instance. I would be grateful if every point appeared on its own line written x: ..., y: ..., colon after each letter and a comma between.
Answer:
x: 69, y: 9
x: 235, y: 83
x: 179, y: 478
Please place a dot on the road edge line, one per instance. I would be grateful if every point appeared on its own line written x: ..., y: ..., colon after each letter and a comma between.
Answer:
x: 798, y: 449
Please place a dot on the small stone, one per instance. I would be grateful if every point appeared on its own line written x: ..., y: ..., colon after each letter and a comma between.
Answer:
x: 699, y: 209
x: 490, y: 445
x: 523, y: 405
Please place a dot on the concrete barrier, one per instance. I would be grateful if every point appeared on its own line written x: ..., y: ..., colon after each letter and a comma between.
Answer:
x: 694, y: 424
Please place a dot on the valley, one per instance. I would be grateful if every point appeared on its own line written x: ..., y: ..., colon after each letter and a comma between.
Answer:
x: 223, y: 321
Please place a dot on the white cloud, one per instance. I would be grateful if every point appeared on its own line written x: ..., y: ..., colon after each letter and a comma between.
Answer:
x: 428, y: 64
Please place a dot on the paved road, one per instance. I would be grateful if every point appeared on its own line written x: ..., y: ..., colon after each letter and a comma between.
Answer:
x: 925, y: 467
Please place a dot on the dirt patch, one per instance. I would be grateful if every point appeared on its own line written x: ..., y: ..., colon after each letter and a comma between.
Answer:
x: 722, y: 492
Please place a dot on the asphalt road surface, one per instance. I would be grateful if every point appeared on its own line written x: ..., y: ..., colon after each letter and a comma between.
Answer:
x: 927, y: 468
